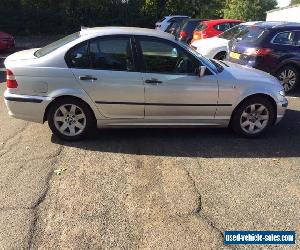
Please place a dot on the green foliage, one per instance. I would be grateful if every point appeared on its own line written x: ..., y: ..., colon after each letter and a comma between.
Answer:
x: 293, y: 2
x: 248, y: 10
x: 65, y: 16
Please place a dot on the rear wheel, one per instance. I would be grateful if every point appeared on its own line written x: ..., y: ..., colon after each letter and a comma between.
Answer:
x: 253, y: 117
x: 70, y: 119
x: 289, y: 76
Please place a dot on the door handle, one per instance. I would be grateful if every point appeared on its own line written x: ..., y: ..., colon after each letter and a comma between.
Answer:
x: 153, y: 81
x: 87, y: 78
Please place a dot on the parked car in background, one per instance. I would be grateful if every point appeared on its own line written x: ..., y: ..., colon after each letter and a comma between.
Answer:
x: 211, y: 28
x: 175, y: 26
x: 273, y: 47
x: 117, y: 76
x: 217, y: 47
x: 187, y: 27
x: 166, y: 21
x: 7, y: 41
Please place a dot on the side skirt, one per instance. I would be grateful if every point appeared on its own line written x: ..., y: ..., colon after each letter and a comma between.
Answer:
x: 110, y: 123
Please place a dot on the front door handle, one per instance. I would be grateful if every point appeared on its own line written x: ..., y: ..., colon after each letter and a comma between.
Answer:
x: 87, y: 78
x: 153, y: 81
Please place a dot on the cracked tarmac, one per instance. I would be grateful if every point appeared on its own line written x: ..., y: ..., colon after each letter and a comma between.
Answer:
x: 146, y: 189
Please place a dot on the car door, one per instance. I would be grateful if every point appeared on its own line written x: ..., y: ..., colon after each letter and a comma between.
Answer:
x: 283, y: 48
x: 105, y: 67
x: 173, y: 90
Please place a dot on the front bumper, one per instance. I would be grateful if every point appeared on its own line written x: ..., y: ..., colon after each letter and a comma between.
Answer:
x: 281, y: 109
x: 26, y: 107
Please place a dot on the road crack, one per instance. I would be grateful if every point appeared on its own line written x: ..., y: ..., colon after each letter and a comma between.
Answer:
x: 42, y: 197
x: 199, y: 210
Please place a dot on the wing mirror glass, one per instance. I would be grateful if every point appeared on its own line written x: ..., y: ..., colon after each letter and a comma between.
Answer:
x: 202, y: 70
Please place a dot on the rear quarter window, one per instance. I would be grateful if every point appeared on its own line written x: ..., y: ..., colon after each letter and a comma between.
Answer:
x: 54, y: 46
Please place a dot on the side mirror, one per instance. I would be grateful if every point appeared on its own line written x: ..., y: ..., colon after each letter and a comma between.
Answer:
x: 202, y: 70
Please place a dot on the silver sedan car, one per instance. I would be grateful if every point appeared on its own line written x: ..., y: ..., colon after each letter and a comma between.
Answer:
x: 116, y: 77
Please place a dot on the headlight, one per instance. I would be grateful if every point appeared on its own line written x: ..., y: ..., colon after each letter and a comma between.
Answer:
x: 282, y: 92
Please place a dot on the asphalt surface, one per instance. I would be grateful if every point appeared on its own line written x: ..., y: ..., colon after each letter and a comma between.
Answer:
x: 146, y: 188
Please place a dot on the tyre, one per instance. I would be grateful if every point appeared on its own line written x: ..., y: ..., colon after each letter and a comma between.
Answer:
x: 253, y: 117
x: 289, y: 76
x: 220, y: 56
x: 71, y: 119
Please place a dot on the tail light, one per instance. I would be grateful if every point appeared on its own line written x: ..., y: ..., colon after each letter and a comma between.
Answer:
x: 257, y: 51
x: 11, y: 82
x: 197, y: 36
x: 182, y: 34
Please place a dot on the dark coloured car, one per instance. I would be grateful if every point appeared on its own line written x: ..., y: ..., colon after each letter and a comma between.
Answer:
x: 174, y: 26
x: 273, y: 47
x: 7, y: 41
x: 186, y: 30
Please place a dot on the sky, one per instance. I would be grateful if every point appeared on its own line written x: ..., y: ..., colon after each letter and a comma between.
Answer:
x: 283, y: 3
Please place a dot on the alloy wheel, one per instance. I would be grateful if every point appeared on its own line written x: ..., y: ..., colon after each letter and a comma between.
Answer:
x: 254, y: 118
x: 288, y: 79
x: 70, y: 120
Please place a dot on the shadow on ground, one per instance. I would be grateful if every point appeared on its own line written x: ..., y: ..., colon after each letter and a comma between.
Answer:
x: 282, y: 140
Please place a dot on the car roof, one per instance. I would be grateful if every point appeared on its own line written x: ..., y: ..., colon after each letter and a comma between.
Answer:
x: 125, y: 31
x: 218, y: 21
x: 196, y: 20
x: 175, y: 16
x: 277, y: 25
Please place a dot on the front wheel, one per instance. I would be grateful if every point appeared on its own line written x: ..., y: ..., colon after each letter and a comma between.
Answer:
x: 70, y: 119
x: 220, y: 56
x: 253, y: 117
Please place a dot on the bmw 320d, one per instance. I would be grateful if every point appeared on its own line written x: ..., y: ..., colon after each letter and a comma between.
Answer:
x: 116, y: 77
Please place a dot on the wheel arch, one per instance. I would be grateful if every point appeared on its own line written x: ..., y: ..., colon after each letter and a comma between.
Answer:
x: 270, y: 98
x: 66, y: 96
x: 220, y: 52
x: 286, y: 64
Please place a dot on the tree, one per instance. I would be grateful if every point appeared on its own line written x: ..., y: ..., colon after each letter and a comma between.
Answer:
x: 248, y: 10
x: 293, y: 2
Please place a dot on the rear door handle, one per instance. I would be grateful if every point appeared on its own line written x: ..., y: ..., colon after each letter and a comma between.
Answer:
x: 87, y: 78
x: 153, y: 81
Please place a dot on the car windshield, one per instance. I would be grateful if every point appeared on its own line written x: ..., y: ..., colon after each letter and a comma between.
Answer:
x: 253, y: 34
x: 212, y: 64
x: 53, y: 46
x: 244, y: 32
x: 234, y: 32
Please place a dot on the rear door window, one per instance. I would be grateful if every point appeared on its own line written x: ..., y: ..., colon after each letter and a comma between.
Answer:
x: 111, y: 54
x: 284, y: 38
x: 104, y: 53
x: 78, y: 57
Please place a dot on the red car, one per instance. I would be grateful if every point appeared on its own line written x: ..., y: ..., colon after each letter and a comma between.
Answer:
x: 212, y: 28
x: 7, y: 41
